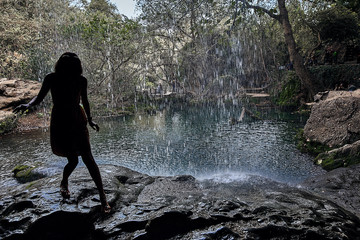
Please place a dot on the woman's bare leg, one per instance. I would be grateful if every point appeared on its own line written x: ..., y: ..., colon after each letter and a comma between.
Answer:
x: 93, y: 168
x: 68, y: 169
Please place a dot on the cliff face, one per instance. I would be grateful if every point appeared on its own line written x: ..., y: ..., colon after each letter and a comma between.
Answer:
x: 181, y: 207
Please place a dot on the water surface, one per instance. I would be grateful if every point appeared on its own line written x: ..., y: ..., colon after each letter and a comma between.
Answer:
x: 198, y: 141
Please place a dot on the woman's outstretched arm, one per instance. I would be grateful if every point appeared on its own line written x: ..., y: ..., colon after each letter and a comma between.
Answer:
x: 45, y: 87
x: 85, y: 102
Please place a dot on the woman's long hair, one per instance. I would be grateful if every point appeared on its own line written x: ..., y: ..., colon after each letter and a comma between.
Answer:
x: 68, y: 64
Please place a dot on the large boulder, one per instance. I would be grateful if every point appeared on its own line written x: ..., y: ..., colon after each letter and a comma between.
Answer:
x: 16, y: 91
x: 179, y: 207
x: 335, y: 119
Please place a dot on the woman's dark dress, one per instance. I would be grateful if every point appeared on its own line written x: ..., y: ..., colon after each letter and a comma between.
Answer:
x: 69, y: 135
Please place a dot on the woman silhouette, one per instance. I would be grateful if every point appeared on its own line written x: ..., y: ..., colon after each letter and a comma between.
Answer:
x: 69, y: 135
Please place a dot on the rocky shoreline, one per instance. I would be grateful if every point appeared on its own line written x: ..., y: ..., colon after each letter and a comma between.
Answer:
x: 182, y: 207
x: 334, y: 122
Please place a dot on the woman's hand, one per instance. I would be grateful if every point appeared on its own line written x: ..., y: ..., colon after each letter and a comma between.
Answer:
x: 21, y: 108
x: 93, y: 125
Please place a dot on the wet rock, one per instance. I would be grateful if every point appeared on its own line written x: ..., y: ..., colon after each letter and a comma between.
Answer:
x: 18, y: 207
x: 181, y: 207
x: 176, y: 222
x: 340, y: 185
x: 222, y: 233
x: 26, y: 173
x: 63, y: 225
x: 344, y: 156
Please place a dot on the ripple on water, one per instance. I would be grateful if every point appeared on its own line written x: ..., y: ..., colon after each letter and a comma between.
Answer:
x: 198, y: 142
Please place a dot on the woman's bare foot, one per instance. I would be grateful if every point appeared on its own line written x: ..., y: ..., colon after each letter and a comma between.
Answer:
x: 65, y: 193
x: 105, y: 207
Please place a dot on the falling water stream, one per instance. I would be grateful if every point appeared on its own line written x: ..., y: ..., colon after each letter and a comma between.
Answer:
x: 198, y: 141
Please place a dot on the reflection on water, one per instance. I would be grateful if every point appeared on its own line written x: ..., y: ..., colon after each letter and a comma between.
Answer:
x: 195, y: 141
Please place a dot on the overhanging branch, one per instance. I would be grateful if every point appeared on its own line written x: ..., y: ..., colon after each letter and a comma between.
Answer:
x: 267, y: 11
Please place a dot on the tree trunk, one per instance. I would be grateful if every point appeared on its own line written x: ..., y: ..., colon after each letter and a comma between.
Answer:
x: 295, y: 57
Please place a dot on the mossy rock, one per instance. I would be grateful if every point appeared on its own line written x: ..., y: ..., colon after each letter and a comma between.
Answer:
x: 329, y: 158
x: 8, y: 123
x: 26, y: 173
x: 310, y: 147
x: 335, y: 159
x: 328, y: 161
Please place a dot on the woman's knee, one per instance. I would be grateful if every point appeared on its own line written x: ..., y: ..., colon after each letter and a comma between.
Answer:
x: 88, y: 158
x: 73, y: 160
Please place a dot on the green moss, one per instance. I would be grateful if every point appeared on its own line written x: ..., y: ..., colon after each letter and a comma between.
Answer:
x: 8, y: 124
x: 326, y: 158
x: 352, y: 160
x: 330, y: 161
x: 20, y: 168
x: 30, y: 184
x: 24, y: 173
x: 290, y: 89
x: 313, y: 148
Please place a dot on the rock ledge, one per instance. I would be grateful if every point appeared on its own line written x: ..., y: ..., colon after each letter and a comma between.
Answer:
x: 180, y: 207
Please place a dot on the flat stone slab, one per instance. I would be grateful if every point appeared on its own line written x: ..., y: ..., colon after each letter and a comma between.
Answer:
x: 179, y: 207
x: 258, y: 95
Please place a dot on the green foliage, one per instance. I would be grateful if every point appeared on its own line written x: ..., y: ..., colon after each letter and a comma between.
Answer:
x: 291, y: 87
x: 17, y: 31
x: 103, y: 6
x: 146, y: 108
x: 38, y: 64
x: 206, y: 47
x: 327, y: 76
x: 109, y: 47
x: 353, y: 5
x: 8, y: 124
x: 131, y: 109
x: 33, y: 34
x: 330, y: 75
x: 337, y: 24
x: 101, y: 28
